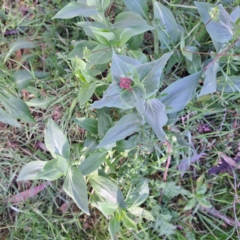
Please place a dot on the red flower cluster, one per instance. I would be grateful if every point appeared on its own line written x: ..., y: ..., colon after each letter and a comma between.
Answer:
x: 125, y: 83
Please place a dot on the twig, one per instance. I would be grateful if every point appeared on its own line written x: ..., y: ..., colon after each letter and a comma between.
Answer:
x: 214, y: 212
x: 169, y: 150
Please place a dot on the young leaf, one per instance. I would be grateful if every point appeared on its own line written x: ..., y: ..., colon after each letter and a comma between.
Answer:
x: 55, y: 140
x: 136, y: 97
x: 113, y: 227
x: 31, y: 170
x: 8, y: 119
x: 16, y: 107
x: 221, y: 29
x: 108, y: 190
x: 179, y: 93
x: 53, y: 169
x: 89, y: 124
x: 23, y: 77
x: 166, y: 26
x: 150, y: 74
x: 163, y: 225
x: 127, y: 125
x: 75, y: 186
x: 156, y: 117
x: 138, y: 6
x: 93, y: 162
x: 139, y: 55
x: 75, y: 9
x: 19, y: 44
x: 111, y: 98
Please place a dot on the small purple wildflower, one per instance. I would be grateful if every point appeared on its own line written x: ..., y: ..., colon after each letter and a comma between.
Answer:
x: 125, y: 83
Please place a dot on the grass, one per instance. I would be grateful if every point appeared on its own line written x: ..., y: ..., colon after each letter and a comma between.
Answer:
x: 209, y: 124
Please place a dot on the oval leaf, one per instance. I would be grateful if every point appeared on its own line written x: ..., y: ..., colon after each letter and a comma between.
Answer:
x: 89, y: 124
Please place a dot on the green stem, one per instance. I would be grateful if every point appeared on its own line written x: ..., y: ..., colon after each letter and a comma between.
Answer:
x: 179, y: 5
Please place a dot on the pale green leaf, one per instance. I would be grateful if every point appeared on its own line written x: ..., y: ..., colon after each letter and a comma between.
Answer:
x: 176, y: 96
x: 127, y: 125
x: 86, y: 92
x: 75, y: 186
x: 156, y: 117
x: 93, y: 162
x: 55, y: 140
x: 8, y: 119
x: 31, y: 170
x: 74, y: 9
x: 107, y: 189
x: 41, y: 102
x: 89, y: 124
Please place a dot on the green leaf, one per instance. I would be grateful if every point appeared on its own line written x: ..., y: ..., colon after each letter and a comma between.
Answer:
x: 220, y: 30
x: 127, y: 33
x: 194, y: 64
x: 156, y: 117
x: 8, y: 119
x: 138, y: 6
x: 55, y: 140
x: 90, y: 145
x: 79, y: 50
x: 41, y: 102
x: 201, y: 190
x: 111, y: 98
x: 107, y: 189
x: 139, y: 196
x: 190, y: 204
x: 204, y: 202
x: 104, y: 121
x: 75, y: 9
x: 101, y: 54
x: 178, y: 94
x: 93, y: 162
x: 53, y: 169
x: 140, y: 212
x: 210, y: 81
x: 75, y: 186
x: 127, y: 125
x: 104, y: 36
x: 19, y: 44
x: 166, y: 26
x: 129, y: 223
x: 135, y: 97
x: 150, y: 74
x: 31, y: 170
x: 163, y: 225
x: 100, y: 4
x: 120, y: 68
x: 16, y: 107
x: 128, y: 19
x: 89, y: 124
x: 113, y: 227
x: 228, y: 84
x: 86, y: 92
x: 107, y: 208
x: 139, y: 55
x: 23, y: 77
